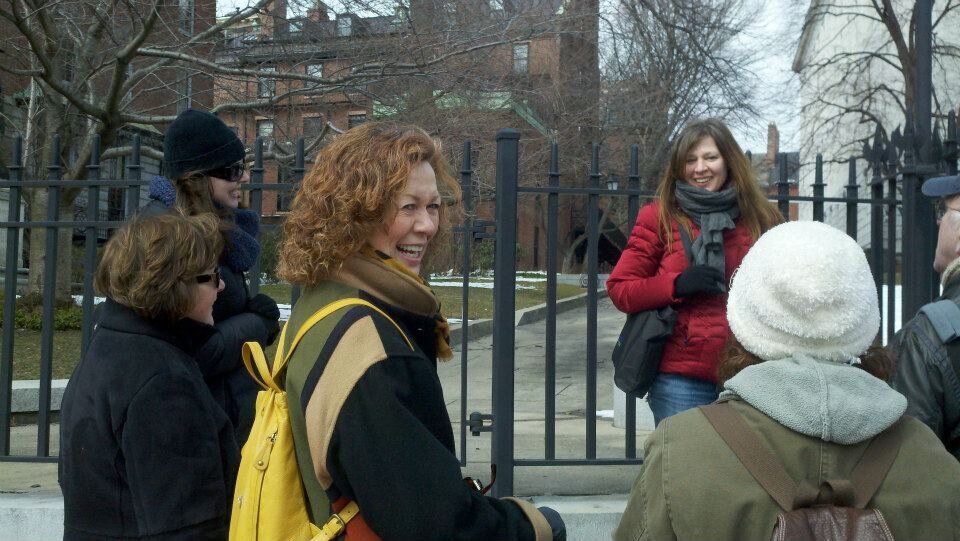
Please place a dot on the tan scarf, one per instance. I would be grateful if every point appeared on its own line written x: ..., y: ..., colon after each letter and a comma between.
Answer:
x: 359, y: 270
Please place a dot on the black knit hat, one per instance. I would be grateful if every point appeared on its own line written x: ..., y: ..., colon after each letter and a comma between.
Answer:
x: 199, y: 141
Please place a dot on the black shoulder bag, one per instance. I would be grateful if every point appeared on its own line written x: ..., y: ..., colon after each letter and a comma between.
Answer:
x: 636, y: 357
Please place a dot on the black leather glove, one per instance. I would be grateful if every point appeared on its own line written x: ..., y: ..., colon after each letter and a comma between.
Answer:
x: 267, y: 309
x: 557, y: 527
x: 699, y: 279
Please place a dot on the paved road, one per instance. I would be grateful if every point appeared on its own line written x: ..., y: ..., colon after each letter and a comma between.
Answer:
x: 571, y: 368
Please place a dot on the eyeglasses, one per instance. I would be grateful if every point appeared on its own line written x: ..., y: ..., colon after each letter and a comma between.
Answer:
x: 212, y: 277
x: 231, y: 173
x: 940, y: 209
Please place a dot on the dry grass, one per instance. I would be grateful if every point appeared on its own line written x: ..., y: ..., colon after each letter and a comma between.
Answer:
x: 66, y: 344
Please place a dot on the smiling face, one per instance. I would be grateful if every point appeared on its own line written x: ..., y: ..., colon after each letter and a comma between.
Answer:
x: 205, y: 294
x: 705, y: 167
x: 226, y: 193
x: 405, y: 237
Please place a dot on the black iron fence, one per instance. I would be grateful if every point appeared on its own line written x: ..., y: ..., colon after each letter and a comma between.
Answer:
x: 892, y: 171
x: 90, y: 226
x: 877, y: 200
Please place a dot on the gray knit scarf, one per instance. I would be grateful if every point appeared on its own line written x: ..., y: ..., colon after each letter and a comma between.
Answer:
x: 713, y: 212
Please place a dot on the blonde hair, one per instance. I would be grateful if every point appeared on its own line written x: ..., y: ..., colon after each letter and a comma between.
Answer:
x: 150, y: 264
x: 756, y: 212
x: 352, y: 188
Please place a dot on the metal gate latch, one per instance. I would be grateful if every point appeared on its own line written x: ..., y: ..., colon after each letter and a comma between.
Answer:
x: 477, y: 425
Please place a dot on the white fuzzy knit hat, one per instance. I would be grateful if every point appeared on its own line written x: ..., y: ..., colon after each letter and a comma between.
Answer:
x: 804, y: 287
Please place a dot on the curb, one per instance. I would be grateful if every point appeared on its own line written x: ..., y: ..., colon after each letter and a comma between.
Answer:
x: 26, y: 392
x: 39, y: 517
x: 481, y: 328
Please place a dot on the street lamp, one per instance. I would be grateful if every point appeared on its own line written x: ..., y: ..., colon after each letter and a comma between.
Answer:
x: 613, y: 183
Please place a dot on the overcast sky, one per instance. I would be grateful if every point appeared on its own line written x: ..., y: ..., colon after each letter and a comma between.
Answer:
x: 776, y: 31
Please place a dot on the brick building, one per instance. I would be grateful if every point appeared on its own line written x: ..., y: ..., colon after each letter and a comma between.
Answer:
x: 541, y: 77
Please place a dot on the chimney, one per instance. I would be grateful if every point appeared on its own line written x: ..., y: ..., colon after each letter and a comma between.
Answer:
x: 319, y: 13
x: 773, y: 145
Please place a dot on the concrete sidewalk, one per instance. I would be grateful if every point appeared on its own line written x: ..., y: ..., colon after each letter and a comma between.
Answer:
x: 591, y: 498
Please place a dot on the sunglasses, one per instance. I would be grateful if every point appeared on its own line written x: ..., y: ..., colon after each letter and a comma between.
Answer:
x: 212, y: 277
x: 231, y: 173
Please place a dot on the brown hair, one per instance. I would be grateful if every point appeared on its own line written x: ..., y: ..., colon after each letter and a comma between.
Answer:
x: 195, y: 195
x: 352, y: 188
x: 756, y: 213
x: 877, y: 361
x: 149, y: 265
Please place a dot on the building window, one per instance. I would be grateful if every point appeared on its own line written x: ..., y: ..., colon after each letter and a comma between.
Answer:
x: 344, y: 25
x: 312, y: 126
x: 265, y: 128
x: 296, y: 27
x: 355, y: 119
x: 313, y: 70
x: 267, y: 86
x: 400, y: 16
x: 187, y: 16
x: 521, y: 52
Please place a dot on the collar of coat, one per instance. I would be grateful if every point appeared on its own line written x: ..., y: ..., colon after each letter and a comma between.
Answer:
x: 388, y: 280
x: 951, y: 275
x: 184, y: 333
x: 831, y: 401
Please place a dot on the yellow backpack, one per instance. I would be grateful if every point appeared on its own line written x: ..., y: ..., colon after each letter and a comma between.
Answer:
x: 269, y: 502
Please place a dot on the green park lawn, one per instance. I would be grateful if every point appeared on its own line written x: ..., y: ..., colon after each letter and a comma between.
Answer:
x: 66, y: 344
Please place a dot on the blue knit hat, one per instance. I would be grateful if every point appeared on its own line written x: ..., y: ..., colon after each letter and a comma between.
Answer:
x: 199, y: 141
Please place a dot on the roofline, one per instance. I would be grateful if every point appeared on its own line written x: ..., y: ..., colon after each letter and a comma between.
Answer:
x: 805, y: 37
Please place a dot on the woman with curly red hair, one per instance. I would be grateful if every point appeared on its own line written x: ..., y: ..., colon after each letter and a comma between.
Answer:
x: 370, y: 423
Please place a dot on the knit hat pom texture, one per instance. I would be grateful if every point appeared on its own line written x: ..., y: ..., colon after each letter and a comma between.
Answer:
x: 804, y: 287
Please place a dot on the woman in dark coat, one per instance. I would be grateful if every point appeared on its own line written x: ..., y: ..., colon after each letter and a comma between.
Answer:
x: 145, y: 449
x: 370, y: 423
x: 710, y: 190
x: 205, y: 160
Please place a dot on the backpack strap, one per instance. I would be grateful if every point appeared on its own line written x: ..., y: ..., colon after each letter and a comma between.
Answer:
x: 768, y: 470
x: 944, y: 315
x: 875, y: 463
x: 762, y: 464
x: 267, y: 377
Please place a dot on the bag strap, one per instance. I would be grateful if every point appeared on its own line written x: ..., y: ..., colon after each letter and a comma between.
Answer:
x: 267, y: 377
x: 762, y: 464
x: 768, y: 470
x: 337, y: 522
x: 687, y: 243
x: 875, y: 463
x: 944, y: 315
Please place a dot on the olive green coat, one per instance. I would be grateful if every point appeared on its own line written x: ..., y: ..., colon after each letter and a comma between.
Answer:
x: 692, y: 487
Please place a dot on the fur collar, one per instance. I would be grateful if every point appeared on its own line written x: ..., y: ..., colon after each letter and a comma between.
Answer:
x: 951, y: 273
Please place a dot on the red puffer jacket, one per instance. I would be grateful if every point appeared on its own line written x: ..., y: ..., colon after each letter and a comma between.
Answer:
x: 643, y: 279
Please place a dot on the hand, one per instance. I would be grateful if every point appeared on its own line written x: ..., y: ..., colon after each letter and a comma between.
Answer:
x: 267, y: 309
x: 557, y: 527
x: 263, y: 306
x: 699, y: 279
